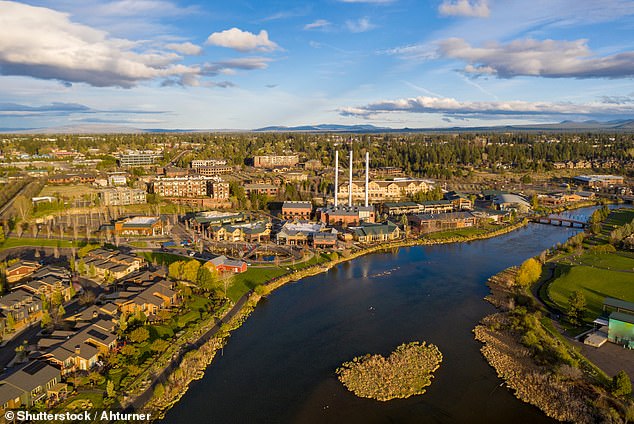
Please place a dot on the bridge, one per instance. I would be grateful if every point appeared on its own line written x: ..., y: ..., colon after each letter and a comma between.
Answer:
x: 561, y: 221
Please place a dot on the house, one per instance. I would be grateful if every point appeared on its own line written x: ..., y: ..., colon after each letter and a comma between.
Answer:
x: 150, y: 298
x: 20, y: 270
x: 264, y: 189
x: 599, y: 181
x: 28, y: 385
x: 425, y: 223
x: 24, y: 306
x: 323, y: 240
x: 296, y: 210
x: 112, y: 263
x: 370, y: 232
x: 459, y: 200
x: 223, y: 264
x: 249, y: 232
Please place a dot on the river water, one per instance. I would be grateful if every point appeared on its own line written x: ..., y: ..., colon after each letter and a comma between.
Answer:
x: 279, y: 367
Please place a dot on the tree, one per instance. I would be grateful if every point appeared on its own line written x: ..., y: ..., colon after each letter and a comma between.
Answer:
x: 621, y: 384
x: 46, y: 320
x: 110, y: 389
x: 529, y: 272
x: 176, y: 270
x: 23, y: 206
x: 159, y: 345
x: 139, y: 335
x: 81, y: 267
x: 56, y: 298
x: 61, y: 312
x: 10, y: 321
x: 92, y: 270
x: 190, y: 270
x: 159, y: 390
x: 576, y: 307
x: 71, y: 290
x: 205, y: 279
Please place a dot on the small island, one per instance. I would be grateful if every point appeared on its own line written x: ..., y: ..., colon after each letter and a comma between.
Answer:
x: 406, y: 372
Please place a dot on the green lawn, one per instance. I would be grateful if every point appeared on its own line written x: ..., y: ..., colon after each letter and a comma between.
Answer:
x: 19, y: 242
x: 613, y: 261
x: 164, y: 258
x: 596, y: 284
x: 253, y: 277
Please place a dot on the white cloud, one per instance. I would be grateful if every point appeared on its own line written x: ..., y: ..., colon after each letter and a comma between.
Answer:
x: 46, y: 44
x: 186, y: 48
x: 453, y: 107
x: 473, y: 8
x: 360, y: 25
x: 547, y: 58
x: 319, y: 23
x: 242, y: 41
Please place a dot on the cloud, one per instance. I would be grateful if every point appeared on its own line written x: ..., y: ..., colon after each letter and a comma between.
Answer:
x: 62, y: 109
x: 547, y: 58
x: 242, y: 41
x: 229, y: 67
x: 618, y: 100
x: 319, y: 23
x: 360, y: 25
x: 46, y: 44
x: 472, y: 8
x: 452, y: 107
x: 186, y: 48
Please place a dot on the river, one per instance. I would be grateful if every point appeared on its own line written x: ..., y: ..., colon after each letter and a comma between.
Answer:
x: 279, y: 367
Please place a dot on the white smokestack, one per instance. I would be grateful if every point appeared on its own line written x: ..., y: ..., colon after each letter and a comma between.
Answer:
x: 367, y: 177
x: 350, y: 186
x: 336, y: 176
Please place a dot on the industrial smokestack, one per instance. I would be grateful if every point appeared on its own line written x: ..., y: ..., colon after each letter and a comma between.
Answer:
x: 367, y: 177
x: 350, y: 186
x: 336, y: 176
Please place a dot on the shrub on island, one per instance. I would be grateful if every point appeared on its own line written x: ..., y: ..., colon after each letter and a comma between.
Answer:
x: 404, y: 373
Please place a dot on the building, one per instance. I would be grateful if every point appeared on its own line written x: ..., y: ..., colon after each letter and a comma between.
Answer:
x: 296, y: 210
x: 346, y: 215
x: 71, y: 179
x: 199, y: 163
x: 599, y: 181
x: 31, y: 383
x: 117, y: 179
x: 223, y: 264
x: 299, y: 233
x: 313, y: 165
x: 459, y: 200
x: 511, y: 202
x: 20, y: 270
x: 294, y: 177
x: 249, y: 232
x: 401, y: 208
x: 186, y: 186
x: 212, y: 171
x: 426, y: 223
x: 141, y: 226
x: 384, y: 190
x: 150, y: 298
x: 219, y: 190
x: 621, y: 328
x: 122, y: 196
x: 275, y: 161
x: 112, y: 263
x: 138, y: 158
x: 24, y: 307
x: 370, y: 232
x: 264, y: 189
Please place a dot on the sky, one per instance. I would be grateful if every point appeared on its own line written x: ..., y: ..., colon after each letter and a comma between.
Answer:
x: 242, y: 64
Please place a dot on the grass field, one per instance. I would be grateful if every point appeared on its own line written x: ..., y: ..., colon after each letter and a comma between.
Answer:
x: 253, y: 277
x: 595, y: 283
x: 19, y: 242
x: 67, y: 191
x: 460, y: 232
x: 621, y: 261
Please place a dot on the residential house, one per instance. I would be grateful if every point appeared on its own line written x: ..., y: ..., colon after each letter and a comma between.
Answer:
x: 20, y: 270
x: 223, y: 264
x: 31, y: 383
x: 371, y: 232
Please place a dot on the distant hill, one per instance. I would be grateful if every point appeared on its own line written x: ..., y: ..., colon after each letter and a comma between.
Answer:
x: 625, y: 125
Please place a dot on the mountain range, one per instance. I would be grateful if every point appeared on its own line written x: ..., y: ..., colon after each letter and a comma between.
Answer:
x: 564, y: 126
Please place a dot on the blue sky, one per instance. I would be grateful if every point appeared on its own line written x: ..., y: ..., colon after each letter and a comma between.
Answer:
x: 248, y: 64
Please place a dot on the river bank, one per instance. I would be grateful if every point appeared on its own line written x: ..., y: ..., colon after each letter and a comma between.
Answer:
x: 542, y: 369
x: 195, y: 362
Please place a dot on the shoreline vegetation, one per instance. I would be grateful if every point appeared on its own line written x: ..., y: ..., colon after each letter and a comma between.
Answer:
x: 404, y: 373
x: 196, y: 362
x: 538, y: 364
